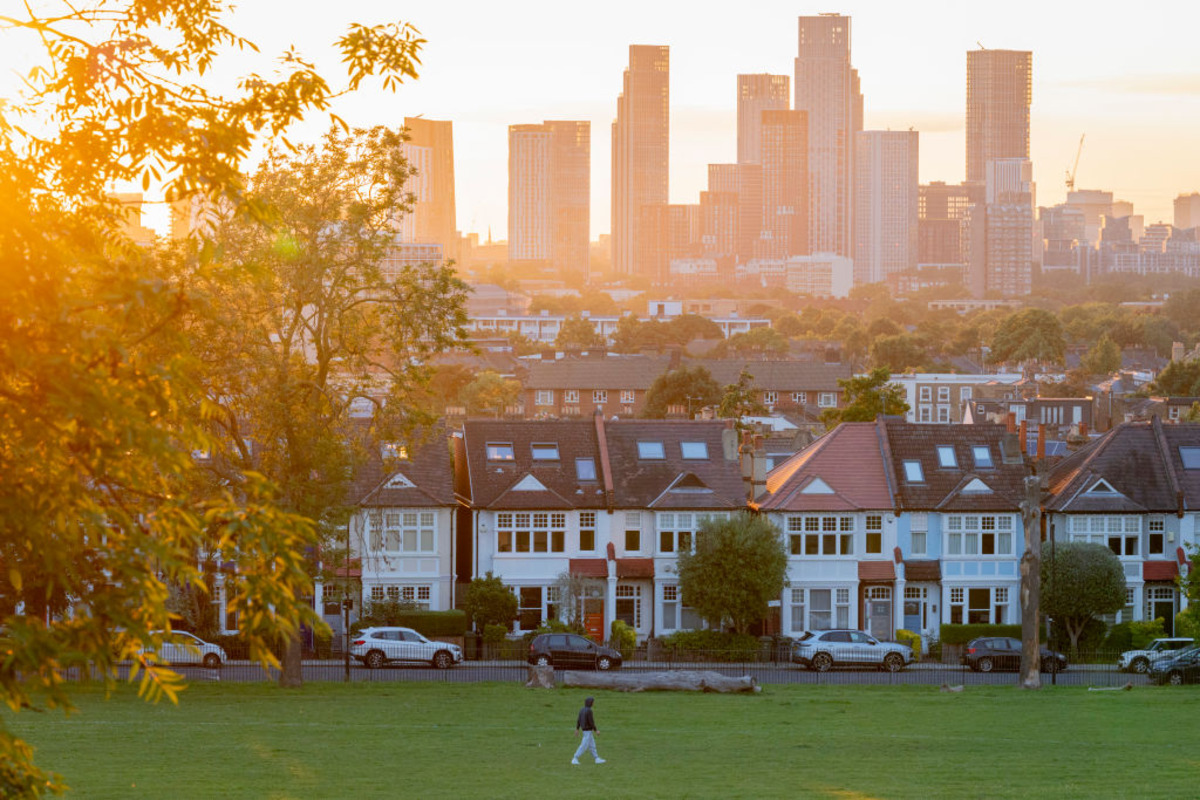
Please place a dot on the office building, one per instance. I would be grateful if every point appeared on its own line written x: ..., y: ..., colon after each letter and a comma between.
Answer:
x: 1008, y: 209
x: 430, y: 152
x: 886, y: 204
x: 1187, y: 211
x: 549, y: 190
x: 785, y: 202
x: 756, y: 94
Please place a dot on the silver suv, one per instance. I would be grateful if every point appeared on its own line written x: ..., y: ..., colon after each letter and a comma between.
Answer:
x: 824, y: 650
x: 374, y: 647
x: 1140, y: 660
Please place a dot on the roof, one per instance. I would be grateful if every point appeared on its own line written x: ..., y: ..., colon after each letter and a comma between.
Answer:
x: 967, y: 485
x: 609, y: 372
x: 929, y: 570
x: 784, y: 376
x: 424, y: 478
x: 598, y: 567
x: 844, y: 470
x: 1159, y: 570
x: 712, y: 482
x: 1135, y: 467
x: 876, y: 571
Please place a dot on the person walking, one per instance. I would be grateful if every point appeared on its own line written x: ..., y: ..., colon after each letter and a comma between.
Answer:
x: 585, y: 725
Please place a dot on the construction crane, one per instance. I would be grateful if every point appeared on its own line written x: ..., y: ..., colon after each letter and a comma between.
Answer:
x: 1075, y: 167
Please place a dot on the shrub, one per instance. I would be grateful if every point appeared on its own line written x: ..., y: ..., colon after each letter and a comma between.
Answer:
x: 624, y: 638
x: 961, y: 634
x: 427, y: 623
x: 494, y: 634
x: 323, y: 644
x: 1187, y: 622
x: 1143, y: 632
x: 1119, y: 638
x: 1092, y: 639
x: 911, y: 639
x: 706, y: 645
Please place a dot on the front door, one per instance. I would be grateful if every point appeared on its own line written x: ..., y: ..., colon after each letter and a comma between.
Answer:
x: 879, y: 612
x: 1160, y: 603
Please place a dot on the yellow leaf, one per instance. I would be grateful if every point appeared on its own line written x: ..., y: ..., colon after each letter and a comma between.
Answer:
x: 14, y: 577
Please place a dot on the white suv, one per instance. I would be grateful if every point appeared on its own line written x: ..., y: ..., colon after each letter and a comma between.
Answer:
x: 374, y: 647
x: 181, y: 647
x: 1140, y: 660
x: 823, y: 650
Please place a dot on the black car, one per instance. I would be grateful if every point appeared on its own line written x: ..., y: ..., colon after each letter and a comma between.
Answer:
x: 571, y: 651
x: 1178, y: 669
x: 1001, y: 652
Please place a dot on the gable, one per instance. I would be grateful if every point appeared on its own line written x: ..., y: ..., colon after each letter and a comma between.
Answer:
x: 977, y: 486
x: 1102, y: 487
x: 398, y: 481
x: 817, y: 486
x: 528, y: 484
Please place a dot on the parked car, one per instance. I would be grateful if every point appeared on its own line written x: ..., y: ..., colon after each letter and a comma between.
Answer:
x: 571, y: 651
x: 824, y: 650
x: 1183, y: 666
x: 1001, y: 652
x: 375, y: 647
x: 1140, y: 660
x: 181, y: 647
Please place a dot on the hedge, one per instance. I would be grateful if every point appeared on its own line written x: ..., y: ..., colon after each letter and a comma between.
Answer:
x: 708, y: 645
x: 427, y: 623
x: 961, y: 634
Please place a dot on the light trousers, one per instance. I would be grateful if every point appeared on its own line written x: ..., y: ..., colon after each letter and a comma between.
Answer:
x: 588, y: 745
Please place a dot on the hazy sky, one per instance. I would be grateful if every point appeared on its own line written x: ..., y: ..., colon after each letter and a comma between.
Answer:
x: 1126, y: 74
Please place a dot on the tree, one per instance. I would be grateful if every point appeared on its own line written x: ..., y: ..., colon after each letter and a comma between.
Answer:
x: 738, y: 567
x: 1103, y: 358
x: 104, y: 507
x: 690, y: 387
x: 1179, y: 379
x: 897, y: 353
x: 741, y: 399
x: 754, y: 342
x: 867, y: 396
x: 487, y: 601
x: 490, y: 393
x: 1080, y: 581
x: 1032, y: 334
x: 577, y: 332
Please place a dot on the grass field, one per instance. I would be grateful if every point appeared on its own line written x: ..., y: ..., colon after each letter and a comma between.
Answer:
x: 493, y: 740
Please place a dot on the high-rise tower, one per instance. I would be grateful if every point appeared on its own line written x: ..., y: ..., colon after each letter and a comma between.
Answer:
x: 549, y: 190
x: 430, y: 150
x: 785, y: 199
x: 999, y: 92
x: 827, y: 88
x: 886, y: 204
x: 640, y: 155
x: 756, y: 94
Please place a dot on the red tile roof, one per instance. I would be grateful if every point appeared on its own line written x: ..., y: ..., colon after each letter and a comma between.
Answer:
x: 588, y: 567
x: 635, y: 567
x: 847, y: 459
x: 1159, y: 570
x: 876, y: 571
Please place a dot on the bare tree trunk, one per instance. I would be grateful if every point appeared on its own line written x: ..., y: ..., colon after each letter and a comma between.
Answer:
x: 291, y: 676
x: 1031, y: 584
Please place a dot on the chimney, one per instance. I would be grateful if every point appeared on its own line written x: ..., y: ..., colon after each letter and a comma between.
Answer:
x: 1010, y: 422
x: 758, y: 468
x: 1177, y: 351
x: 1083, y: 429
x: 1041, y: 447
x: 729, y: 441
x: 1023, y: 436
x: 746, y: 456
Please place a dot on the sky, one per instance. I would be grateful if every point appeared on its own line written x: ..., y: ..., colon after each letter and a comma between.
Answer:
x: 1127, y: 76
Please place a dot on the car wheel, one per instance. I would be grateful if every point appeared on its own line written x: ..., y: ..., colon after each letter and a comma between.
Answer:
x: 1175, y: 679
x: 984, y: 665
x: 212, y: 661
x: 822, y: 662
x: 1140, y: 666
x: 893, y: 663
x: 374, y: 660
x: 442, y: 660
x: 603, y: 663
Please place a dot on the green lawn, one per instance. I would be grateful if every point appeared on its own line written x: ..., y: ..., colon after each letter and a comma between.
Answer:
x: 491, y: 740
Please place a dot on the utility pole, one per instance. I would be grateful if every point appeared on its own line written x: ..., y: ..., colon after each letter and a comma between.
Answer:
x: 1031, y: 579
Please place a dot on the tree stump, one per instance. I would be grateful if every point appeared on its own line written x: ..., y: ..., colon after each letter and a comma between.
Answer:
x: 540, y: 678
x: 673, y: 681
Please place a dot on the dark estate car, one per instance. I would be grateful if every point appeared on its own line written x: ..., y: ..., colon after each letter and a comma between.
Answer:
x: 1181, y: 668
x: 571, y: 651
x: 1001, y: 652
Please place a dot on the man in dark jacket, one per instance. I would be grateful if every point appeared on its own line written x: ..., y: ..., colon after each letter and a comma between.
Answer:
x: 585, y: 725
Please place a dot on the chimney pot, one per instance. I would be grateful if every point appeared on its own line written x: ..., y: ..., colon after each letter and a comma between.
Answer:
x: 1041, y: 445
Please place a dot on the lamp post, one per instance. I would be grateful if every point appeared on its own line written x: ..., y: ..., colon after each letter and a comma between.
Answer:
x: 1053, y: 589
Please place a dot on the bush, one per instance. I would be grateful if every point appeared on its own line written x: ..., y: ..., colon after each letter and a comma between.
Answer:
x: 705, y: 645
x: 1187, y: 622
x: 427, y: 623
x: 323, y: 644
x: 1143, y: 632
x: 961, y: 634
x: 494, y: 634
x: 1119, y: 638
x: 911, y: 639
x: 624, y: 638
x: 1092, y: 640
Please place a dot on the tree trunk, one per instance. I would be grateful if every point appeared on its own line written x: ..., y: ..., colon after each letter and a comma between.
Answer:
x: 677, y: 681
x: 291, y: 675
x: 1031, y: 580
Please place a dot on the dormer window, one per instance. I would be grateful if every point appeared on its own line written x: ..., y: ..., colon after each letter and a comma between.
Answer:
x: 983, y: 456
x: 393, y: 450
x: 1190, y: 456
x: 545, y: 451
x: 913, y: 472
x: 651, y: 451
x: 694, y: 451
x: 585, y: 469
x: 946, y: 456
x: 500, y: 451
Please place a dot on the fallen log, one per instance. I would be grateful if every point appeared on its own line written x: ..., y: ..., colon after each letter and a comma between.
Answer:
x: 540, y: 678
x: 683, y: 680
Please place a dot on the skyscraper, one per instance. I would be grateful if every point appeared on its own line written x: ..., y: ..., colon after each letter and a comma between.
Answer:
x: 1001, y: 230
x: 886, y: 204
x: 1187, y: 211
x: 756, y: 94
x: 784, y: 185
x: 549, y: 195
x: 827, y: 88
x: 640, y: 155
x: 999, y: 92
x: 430, y: 150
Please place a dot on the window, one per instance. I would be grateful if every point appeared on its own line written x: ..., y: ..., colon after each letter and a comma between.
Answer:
x: 529, y: 607
x: 544, y: 452
x: 633, y: 531
x: 587, y: 531
x: 799, y: 398
x: 694, y: 450
x: 827, y: 400
x: 979, y: 535
x: 500, y: 451
x: 821, y: 535
x: 943, y: 394
x: 946, y: 456
x: 1157, y: 528
x: 651, y: 451
x: 964, y: 393
x: 627, y: 397
x: 983, y: 456
x: 827, y: 608
x: 797, y: 610
x: 1190, y: 456
x: 926, y: 394
x: 600, y: 396
x: 585, y: 469
x: 770, y: 398
x: 874, y: 534
x: 393, y: 450
x: 978, y: 605
x: 544, y: 397
x: 677, y: 616
x: 629, y: 605
x: 571, y: 396
x: 919, y: 531
x: 1120, y: 533
x: 913, y: 473
x: 408, y: 532
x: 538, y: 532
x: 924, y: 414
x: 678, y: 532
x: 1173, y: 412
x: 943, y: 414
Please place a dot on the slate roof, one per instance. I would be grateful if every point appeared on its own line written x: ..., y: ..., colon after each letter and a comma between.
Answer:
x: 952, y: 488
x: 490, y: 484
x: 1140, y: 461
x: 783, y: 376
x: 428, y: 468
x: 673, y: 481
x: 608, y: 372
x: 848, y: 460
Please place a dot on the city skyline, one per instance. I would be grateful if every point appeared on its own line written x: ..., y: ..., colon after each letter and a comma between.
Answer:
x: 1125, y: 79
